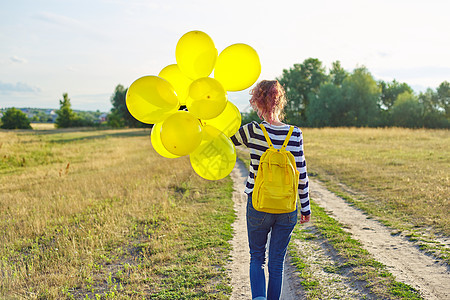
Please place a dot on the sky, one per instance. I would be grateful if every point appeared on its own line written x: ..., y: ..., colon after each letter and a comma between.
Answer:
x: 86, y: 48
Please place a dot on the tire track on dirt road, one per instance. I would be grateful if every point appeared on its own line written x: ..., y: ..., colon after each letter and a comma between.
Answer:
x: 405, y: 261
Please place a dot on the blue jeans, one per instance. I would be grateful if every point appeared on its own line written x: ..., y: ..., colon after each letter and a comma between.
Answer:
x: 259, y: 224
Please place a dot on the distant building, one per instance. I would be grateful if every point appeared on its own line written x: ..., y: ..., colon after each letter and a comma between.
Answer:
x: 102, y: 117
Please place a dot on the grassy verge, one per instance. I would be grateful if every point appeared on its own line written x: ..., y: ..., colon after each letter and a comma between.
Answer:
x: 399, y: 176
x: 98, y: 214
x: 425, y: 240
x: 354, y: 261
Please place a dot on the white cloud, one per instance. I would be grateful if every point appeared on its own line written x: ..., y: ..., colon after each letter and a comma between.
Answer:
x: 418, y: 77
x: 20, y: 87
x: 82, y: 28
x: 17, y: 59
x: 58, y: 19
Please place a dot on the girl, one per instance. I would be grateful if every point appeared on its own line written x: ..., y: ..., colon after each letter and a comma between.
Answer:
x: 268, y: 100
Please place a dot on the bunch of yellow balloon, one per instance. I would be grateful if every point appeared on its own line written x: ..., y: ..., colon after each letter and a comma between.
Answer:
x: 204, y: 128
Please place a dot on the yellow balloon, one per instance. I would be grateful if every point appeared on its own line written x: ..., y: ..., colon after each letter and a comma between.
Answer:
x: 196, y: 54
x: 178, y: 80
x: 181, y: 133
x: 207, y: 98
x: 229, y: 121
x: 215, y: 157
x: 151, y: 99
x: 237, y: 67
x: 157, y: 143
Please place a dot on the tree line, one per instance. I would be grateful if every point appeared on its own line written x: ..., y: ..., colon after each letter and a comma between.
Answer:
x: 317, y: 97
x: 118, y: 117
x: 66, y: 117
x: 321, y: 98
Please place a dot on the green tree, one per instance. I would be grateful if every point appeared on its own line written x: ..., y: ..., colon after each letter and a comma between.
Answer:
x: 119, y: 111
x: 326, y: 108
x: 249, y: 117
x: 407, y: 111
x: 337, y: 73
x: 360, y: 99
x: 436, y: 107
x: 15, y: 119
x: 85, y: 119
x: 429, y: 101
x: 390, y: 92
x: 115, y: 120
x: 301, y: 82
x: 443, y: 93
x: 66, y: 116
x: 42, y: 116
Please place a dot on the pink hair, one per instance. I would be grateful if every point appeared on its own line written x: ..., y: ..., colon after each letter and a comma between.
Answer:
x: 268, y: 100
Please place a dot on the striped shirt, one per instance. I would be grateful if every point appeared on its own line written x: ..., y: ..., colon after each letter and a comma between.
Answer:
x: 252, y: 136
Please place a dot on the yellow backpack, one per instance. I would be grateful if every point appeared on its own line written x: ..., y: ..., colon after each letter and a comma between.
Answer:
x: 276, y: 183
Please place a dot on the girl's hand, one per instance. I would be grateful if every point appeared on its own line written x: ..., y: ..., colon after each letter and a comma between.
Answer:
x: 304, y: 219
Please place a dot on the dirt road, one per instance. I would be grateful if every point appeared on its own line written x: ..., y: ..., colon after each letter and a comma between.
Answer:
x: 405, y: 261
x: 239, y: 265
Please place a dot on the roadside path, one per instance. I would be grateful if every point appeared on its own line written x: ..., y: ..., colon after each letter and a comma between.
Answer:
x: 240, y: 257
x: 404, y: 260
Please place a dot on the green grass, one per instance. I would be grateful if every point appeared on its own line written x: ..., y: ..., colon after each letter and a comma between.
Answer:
x: 400, y: 175
x: 98, y: 214
x: 353, y: 259
x: 424, y: 240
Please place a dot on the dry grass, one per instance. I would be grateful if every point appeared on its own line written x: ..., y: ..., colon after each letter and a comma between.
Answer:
x: 99, y: 214
x: 43, y: 126
x: 403, y: 173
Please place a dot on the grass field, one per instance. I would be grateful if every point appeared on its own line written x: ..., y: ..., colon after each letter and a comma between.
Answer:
x: 403, y: 173
x: 98, y: 214
x: 43, y: 126
x: 399, y: 176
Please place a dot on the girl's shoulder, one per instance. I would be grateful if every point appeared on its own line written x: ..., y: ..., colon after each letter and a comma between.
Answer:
x: 297, y: 131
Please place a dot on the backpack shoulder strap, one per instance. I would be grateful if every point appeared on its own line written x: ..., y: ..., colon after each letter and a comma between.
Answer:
x: 286, y: 141
x: 266, y: 135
